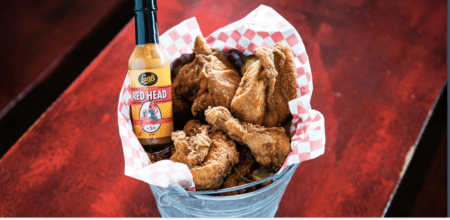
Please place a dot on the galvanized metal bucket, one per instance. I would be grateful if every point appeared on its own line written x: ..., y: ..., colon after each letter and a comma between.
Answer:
x: 174, y: 201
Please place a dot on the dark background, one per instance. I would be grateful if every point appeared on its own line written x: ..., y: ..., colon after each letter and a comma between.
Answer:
x: 46, y: 44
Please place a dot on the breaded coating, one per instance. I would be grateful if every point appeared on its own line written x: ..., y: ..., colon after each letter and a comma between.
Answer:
x: 209, y: 80
x: 218, y: 163
x: 190, y: 150
x: 269, y: 146
x: 193, y: 127
x: 208, y: 153
x: 278, y: 112
x: 266, y: 88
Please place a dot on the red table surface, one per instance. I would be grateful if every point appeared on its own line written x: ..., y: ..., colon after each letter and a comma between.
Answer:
x: 377, y: 68
x: 37, y: 35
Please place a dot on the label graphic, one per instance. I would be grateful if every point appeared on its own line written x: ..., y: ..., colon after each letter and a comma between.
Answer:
x: 151, y: 105
x: 148, y: 79
x: 150, y: 115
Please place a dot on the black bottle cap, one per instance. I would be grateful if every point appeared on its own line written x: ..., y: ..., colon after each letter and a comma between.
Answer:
x: 140, y: 5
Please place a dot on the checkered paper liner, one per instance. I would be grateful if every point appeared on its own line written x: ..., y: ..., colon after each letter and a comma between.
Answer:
x: 263, y: 27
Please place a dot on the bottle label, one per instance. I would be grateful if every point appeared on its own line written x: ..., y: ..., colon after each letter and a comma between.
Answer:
x: 151, y: 103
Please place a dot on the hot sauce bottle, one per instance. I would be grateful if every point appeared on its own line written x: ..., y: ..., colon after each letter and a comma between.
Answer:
x: 149, y: 72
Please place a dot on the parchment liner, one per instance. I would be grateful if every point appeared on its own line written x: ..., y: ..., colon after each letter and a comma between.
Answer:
x: 263, y: 27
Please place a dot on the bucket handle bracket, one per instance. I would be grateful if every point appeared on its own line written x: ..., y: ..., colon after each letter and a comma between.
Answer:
x: 173, y: 189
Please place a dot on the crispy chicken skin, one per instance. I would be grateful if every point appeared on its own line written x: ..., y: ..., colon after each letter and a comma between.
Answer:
x: 269, y: 146
x: 218, y: 163
x: 208, y: 153
x: 193, y: 127
x: 190, y: 150
x: 210, y: 86
x: 257, y: 83
x: 209, y: 80
x: 278, y: 109
x: 266, y: 88
x: 266, y: 58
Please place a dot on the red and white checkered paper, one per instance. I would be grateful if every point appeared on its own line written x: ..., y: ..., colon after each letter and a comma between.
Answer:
x: 263, y: 27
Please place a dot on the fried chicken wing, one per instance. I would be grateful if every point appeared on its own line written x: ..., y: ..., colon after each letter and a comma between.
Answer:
x: 209, y: 80
x: 266, y: 88
x: 269, y: 146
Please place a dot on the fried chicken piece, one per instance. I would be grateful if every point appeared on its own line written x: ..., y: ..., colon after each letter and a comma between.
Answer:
x: 266, y: 58
x: 192, y: 144
x: 283, y: 147
x: 258, y: 82
x: 190, y: 150
x: 194, y: 126
x: 266, y: 88
x: 269, y: 146
x: 278, y: 109
x: 209, y: 80
x: 201, y: 47
x: 208, y: 153
x: 221, y: 157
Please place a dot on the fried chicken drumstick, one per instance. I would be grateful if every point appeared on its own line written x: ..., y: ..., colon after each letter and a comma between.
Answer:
x: 208, y: 153
x: 269, y: 146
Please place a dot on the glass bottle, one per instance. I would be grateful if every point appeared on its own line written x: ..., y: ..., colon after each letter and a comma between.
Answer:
x: 149, y: 72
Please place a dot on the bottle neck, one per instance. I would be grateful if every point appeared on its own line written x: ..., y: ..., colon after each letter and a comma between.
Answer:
x: 146, y: 27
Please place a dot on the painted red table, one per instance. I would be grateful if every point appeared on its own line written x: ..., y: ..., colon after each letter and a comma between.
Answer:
x: 39, y: 35
x: 377, y: 68
x: 45, y: 46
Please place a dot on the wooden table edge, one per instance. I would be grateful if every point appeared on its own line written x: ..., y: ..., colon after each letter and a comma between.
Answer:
x: 413, y: 148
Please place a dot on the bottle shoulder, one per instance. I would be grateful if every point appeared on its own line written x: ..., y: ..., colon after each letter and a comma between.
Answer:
x: 148, y: 56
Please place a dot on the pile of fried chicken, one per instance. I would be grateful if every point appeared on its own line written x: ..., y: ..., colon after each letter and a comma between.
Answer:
x: 233, y: 121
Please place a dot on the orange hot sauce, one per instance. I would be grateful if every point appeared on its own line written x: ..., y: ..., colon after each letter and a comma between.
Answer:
x: 149, y: 72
